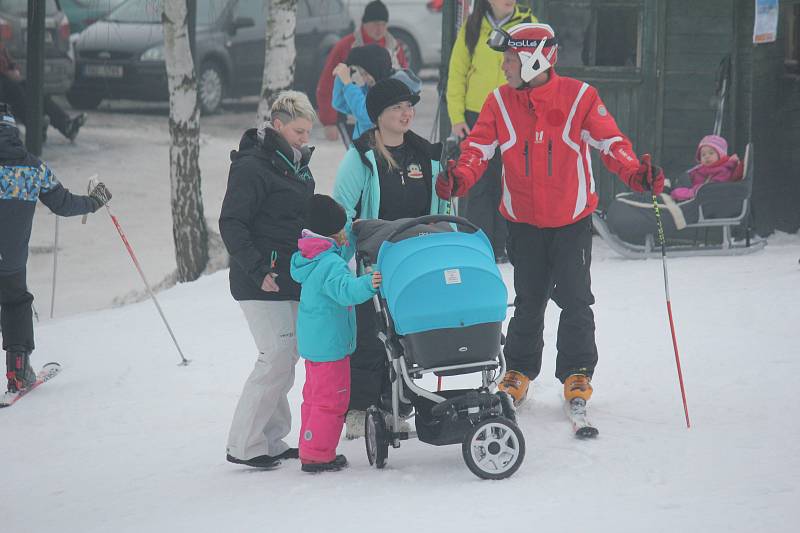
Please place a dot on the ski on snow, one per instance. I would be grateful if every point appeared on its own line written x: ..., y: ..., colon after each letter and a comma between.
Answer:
x: 48, y: 372
x: 576, y: 412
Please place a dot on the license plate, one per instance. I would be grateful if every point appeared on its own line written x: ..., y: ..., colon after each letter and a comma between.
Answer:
x: 103, y: 71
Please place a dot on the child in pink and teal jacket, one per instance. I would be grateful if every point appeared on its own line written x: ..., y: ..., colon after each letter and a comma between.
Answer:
x: 714, y: 166
x: 326, y: 329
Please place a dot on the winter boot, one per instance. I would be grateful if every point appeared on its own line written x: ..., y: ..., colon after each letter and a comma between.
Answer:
x: 577, y: 386
x: 515, y: 384
x: 265, y: 461
x: 331, y: 466
x: 354, y: 424
x: 18, y: 371
x: 74, y: 126
x: 261, y: 461
x: 290, y: 453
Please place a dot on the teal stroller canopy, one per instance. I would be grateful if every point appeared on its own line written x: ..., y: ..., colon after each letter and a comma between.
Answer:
x: 441, y: 280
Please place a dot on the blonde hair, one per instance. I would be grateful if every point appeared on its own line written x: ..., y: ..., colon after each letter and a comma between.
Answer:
x: 292, y: 104
x: 383, y: 152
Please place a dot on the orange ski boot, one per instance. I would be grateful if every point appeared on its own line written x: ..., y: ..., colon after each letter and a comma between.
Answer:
x: 515, y: 384
x: 577, y: 386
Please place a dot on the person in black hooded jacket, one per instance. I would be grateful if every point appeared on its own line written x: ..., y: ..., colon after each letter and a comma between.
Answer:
x: 24, y: 179
x: 269, y: 185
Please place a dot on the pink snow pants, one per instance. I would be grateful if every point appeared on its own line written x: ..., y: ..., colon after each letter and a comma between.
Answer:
x: 325, y: 398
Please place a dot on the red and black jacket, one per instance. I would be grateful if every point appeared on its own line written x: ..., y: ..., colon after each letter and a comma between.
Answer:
x: 544, y: 134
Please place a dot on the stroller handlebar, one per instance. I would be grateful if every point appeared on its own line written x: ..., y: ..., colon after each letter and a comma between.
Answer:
x: 431, y: 219
x: 364, y: 258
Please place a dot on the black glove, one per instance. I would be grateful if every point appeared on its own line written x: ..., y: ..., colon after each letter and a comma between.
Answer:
x: 100, y: 195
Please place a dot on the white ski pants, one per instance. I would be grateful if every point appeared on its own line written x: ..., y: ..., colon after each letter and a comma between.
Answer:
x: 262, y: 418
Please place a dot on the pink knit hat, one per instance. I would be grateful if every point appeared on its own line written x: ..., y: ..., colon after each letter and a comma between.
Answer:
x: 716, y: 142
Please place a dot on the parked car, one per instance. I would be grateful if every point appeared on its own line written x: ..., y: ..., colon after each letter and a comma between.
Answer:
x: 417, y: 24
x: 58, y: 68
x: 82, y: 13
x: 122, y: 54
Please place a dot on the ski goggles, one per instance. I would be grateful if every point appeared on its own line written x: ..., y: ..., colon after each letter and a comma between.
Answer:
x: 500, y: 40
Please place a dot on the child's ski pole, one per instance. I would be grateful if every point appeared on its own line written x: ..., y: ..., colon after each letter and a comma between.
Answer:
x: 55, y: 270
x: 128, y: 246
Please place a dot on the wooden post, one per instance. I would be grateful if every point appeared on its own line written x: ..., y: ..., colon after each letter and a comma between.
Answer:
x: 449, y: 15
x: 34, y: 77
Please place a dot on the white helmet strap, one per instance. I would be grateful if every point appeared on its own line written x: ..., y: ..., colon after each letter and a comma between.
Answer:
x: 535, y: 63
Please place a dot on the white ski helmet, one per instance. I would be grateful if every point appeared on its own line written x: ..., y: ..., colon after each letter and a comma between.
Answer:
x: 535, y: 43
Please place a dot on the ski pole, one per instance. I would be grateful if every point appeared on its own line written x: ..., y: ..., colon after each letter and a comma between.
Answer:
x: 55, y: 270
x: 92, y: 183
x: 128, y: 246
x: 661, y: 238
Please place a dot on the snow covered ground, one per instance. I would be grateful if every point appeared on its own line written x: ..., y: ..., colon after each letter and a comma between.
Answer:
x: 126, y: 441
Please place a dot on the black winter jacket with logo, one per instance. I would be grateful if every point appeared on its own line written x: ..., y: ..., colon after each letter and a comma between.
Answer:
x: 263, y: 213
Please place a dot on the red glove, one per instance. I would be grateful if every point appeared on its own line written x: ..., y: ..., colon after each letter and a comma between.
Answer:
x: 449, y: 181
x: 648, y: 177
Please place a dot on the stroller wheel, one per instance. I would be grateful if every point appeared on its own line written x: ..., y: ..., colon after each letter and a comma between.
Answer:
x: 494, y: 449
x: 376, y: 437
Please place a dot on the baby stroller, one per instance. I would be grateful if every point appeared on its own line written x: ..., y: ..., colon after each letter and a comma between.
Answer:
x: 440, y: 310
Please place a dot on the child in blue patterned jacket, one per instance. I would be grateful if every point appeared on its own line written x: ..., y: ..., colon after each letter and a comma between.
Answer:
x: 24, y: 180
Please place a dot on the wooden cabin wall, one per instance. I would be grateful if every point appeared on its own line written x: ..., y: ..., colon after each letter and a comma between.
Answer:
x: 775, y: 126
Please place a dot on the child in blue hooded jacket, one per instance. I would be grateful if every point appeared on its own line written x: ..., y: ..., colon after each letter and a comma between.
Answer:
x: 364, y: 67
x: 326, y: 329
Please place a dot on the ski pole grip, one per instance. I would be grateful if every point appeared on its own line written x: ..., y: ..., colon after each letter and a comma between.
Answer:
x: 92, y: 184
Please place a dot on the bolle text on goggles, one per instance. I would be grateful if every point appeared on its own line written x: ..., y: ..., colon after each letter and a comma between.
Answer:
x: 500, y: 41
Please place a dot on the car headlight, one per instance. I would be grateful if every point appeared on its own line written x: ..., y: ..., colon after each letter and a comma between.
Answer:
x: 155, y: 53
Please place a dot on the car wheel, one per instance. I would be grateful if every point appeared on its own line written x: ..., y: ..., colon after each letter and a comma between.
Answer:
x: 210, y: 88
x: 410, y: 49
x: 83, y: 100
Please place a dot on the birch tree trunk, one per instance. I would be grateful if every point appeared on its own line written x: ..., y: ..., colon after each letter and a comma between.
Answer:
x: 188, y: 222
x: 279, y: 53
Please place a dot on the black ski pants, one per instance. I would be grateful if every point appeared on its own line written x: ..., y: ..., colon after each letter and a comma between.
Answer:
x: 15, y: 95
x: 16, y: 314
x: 369, y: 375
x: 551, y: 263
x: 482, y: 205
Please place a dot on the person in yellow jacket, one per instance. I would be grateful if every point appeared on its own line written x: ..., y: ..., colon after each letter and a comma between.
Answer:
x: 475, y: 71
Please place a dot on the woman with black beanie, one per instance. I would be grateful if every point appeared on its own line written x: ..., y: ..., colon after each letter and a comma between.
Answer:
x: 388, y: 173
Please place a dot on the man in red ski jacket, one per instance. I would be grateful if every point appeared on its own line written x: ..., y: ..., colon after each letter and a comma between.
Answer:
x: 372, y: 30
x: 544, y: 125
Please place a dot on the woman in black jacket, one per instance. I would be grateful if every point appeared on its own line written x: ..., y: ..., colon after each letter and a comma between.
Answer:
x: 269, y: 184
